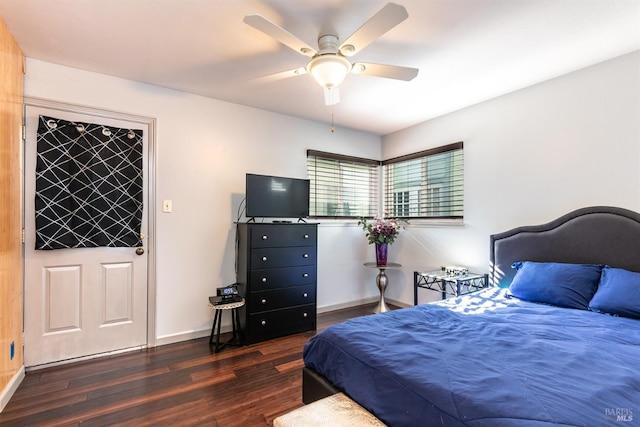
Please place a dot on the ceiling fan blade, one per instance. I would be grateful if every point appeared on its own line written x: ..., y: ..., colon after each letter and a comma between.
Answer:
x: 388, y: 71
x: 279, y: 76
x: 267, y: 27
x: 387, y: 18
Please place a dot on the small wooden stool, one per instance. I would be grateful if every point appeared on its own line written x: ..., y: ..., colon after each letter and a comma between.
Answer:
x: 336, y: 410
x: 235, y: 324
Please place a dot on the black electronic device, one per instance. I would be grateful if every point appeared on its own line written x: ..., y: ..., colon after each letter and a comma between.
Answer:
x: 276, y: 196
x: 227, y: 299
x: 227, y: 291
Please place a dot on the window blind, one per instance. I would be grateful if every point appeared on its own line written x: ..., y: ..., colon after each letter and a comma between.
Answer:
x: 428, y: 184
x: 342, y: 186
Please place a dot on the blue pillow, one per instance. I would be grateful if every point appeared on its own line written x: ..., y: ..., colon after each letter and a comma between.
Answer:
x: 559, y: 284
x: 618, y: 293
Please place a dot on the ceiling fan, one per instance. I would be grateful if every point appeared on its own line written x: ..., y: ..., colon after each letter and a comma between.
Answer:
x: 329, y: 65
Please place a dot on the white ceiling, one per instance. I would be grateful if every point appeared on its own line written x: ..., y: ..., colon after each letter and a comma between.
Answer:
x: 467, y: 50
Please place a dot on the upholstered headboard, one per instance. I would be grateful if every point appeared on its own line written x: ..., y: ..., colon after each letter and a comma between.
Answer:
x: 593, y: 235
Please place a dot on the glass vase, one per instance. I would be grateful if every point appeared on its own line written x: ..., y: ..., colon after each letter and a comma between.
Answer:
x: 381, y: 253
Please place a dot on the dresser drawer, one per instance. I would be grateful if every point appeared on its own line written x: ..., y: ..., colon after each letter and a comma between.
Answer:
x: 279, y: 235
x: 261, y: 280
x: 280, y: 298
x: 295, y: 318
x: 282, y: 257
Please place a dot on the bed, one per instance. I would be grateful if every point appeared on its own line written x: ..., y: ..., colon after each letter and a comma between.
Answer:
x: 556, y: 341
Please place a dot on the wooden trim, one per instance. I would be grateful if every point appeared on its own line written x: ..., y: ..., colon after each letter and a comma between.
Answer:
x: 429, y: 152
x: 341, y: 157
x: 11, y: 119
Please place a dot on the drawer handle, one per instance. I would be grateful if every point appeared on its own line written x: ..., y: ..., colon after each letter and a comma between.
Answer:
x: 305, y: 295
x: 264, y: 301
x: 305, y: 255
x: 263, y: 280
x: 263, y: 323
x: 264, y: 258
x: 264, y: 237
x: 305, y: 275
x: 304, y: 315
x: 306, y: 236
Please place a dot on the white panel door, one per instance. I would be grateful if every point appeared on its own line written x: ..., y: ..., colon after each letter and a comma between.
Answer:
x: 86, y: 301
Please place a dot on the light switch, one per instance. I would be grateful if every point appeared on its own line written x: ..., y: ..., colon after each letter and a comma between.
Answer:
x: 167, y: 206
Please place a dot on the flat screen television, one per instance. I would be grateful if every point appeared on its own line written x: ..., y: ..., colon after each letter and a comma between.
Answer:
x: 276, y: 197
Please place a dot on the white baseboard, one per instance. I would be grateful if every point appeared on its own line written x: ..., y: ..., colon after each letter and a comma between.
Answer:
x: 11, y: 388
x: 355, y: 303
x: 192, y: 335
x: 398, y: 303
x: 186, y: 336
x: 363, y: 301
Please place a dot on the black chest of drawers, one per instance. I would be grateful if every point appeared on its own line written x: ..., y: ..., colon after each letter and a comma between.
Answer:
x: 277, y: 269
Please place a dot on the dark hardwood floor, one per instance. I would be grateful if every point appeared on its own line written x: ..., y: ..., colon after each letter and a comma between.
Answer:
x: 182, y: 384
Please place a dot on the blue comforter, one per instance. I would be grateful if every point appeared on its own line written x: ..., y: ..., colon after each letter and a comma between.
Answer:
x: 486, y: 360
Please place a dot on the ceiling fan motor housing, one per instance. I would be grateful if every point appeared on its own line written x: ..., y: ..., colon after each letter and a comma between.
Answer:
x: 328, y: 44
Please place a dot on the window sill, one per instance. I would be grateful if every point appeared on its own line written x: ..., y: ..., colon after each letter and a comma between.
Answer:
x: 414, y: 223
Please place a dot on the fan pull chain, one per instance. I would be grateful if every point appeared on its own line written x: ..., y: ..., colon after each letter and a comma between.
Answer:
x: 332, y: 128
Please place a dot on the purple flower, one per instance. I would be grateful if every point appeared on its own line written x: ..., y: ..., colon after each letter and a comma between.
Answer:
x: 380, y: 230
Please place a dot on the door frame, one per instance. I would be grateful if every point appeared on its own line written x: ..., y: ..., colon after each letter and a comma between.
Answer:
x: 150, y: 122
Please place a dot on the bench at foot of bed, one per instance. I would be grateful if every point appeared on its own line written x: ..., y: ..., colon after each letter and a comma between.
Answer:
x: 335, y: 410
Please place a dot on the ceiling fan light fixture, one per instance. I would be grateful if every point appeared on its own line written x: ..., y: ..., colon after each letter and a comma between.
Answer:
x: 331, y: 95
x: 329, y: 70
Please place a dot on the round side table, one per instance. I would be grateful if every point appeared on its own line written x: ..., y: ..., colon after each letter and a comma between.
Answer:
x: 235, y: 324
x: 382, y: 280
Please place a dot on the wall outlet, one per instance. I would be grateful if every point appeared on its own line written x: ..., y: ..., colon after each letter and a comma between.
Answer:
x: 167, y: 206
x: 12, y: 350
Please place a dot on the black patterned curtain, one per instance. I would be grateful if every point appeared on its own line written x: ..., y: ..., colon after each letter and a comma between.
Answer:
x: 88, y: 185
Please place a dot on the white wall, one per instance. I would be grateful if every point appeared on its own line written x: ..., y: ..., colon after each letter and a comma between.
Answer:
x: 531, y: 156
x: 204, y: 148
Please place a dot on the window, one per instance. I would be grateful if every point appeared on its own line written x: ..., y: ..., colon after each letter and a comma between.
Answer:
x: 428, y: 184
x: 342, y: 186
x: 401, y: 203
